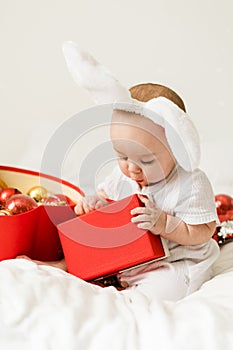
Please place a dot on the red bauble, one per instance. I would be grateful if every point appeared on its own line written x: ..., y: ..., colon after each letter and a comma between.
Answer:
x: 55, y: 200
x: 7, y: 193
x: 20, y: 203
x: 223, y: 201
x: 65, y: 199
x: 224, y: 206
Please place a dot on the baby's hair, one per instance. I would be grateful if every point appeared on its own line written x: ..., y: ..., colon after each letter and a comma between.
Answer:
x: 147, y: 91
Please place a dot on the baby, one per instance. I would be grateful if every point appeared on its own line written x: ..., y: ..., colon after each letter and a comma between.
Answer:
x: 179, y: 204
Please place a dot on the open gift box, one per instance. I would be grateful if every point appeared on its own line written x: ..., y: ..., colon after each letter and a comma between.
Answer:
x: 34, y: 233
x: 105, y: 241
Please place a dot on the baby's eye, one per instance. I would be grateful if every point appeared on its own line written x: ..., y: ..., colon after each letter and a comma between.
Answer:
x: 148, y: 162
x: 123, y: 158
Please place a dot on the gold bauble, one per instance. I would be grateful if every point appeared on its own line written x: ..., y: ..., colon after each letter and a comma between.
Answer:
x: 5, y: 212
x: 37, y: 193
x: 3, y: 185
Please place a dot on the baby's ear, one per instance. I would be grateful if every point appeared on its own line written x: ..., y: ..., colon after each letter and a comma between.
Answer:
x: 88, y: 73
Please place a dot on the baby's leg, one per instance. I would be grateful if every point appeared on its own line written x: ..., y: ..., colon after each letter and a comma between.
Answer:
x: 167, y: 282
x: 60, y: 264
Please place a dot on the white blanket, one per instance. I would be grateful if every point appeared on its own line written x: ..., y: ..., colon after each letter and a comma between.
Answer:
x: 47, y: 309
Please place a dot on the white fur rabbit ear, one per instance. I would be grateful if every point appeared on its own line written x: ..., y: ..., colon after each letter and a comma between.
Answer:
x: 181, y: 133
x: 93, y: 76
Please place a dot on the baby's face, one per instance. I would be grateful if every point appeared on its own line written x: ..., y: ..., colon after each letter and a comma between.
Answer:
x: 141, y: 147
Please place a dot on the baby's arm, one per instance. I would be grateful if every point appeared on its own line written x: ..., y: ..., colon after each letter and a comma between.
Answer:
x: 89, y: 203
x: 170, y: 227
x: 178, y: 231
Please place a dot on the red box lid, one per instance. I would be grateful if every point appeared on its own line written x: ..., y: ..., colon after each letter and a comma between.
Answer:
x: 105, y: 241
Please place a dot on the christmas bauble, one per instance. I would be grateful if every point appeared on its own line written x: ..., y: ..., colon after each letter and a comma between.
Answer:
x: 55, y: 200
x: 7, y: 193
x: 223, y: 202
x: 224, y: 206
x: 37, y: 193
x: 2, y: 184
x: 65, y: 199
x: 20, y: 203
x: 5, y: 212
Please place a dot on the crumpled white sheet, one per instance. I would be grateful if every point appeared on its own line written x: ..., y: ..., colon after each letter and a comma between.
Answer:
x: 47, y: 309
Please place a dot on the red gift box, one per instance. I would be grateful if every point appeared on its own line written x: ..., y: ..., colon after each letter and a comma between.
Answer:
x: 34, y: 233
x: 105, y: 242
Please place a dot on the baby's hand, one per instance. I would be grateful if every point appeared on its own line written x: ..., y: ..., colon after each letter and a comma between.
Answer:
x: 89, y: 203
x: 149, y: 217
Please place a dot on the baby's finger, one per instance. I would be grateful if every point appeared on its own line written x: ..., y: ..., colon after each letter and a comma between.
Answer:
x: 140, y: 218
x: 86, y: 207
x: 143, y: 198
x: 145, y: 225
x: 79, y: 209
x: 91, y: 201
x: 139, y: 210
x: 146, y: 201
x: 99, y: 204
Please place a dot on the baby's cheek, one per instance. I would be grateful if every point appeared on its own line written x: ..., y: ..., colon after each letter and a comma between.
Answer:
x: 153, y: 174
x: 123, y: 167
x: 149, y: 173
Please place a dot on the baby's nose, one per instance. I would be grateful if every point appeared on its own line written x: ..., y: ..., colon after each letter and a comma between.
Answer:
x: 133, y: 167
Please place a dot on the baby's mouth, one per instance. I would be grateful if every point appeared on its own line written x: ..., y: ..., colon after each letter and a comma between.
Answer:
x: 139, y: 181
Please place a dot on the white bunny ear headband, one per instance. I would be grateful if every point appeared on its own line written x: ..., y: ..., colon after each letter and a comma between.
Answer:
x: 180, y: 132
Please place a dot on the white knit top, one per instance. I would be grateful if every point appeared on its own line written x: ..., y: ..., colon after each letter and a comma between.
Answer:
x: 187, y: 195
